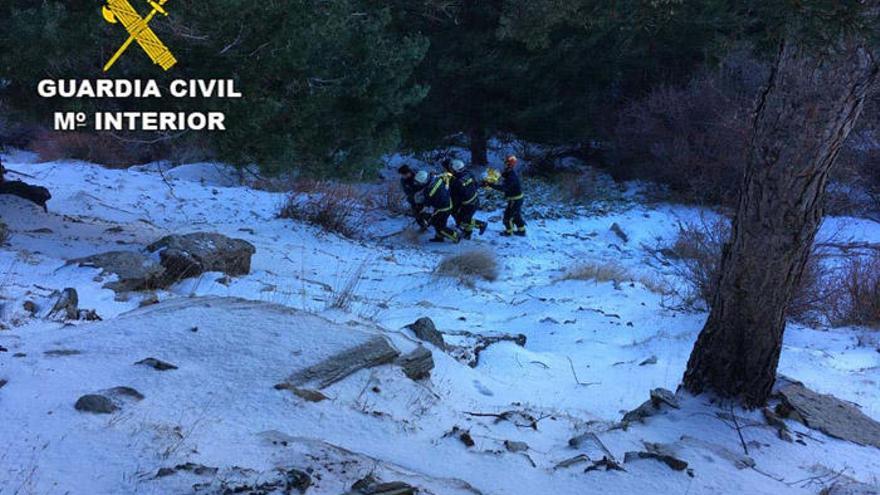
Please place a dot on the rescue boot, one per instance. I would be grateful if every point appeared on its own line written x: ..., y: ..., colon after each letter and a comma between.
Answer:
x: 436, y: 239
x: 521, y: 233
x: 482, y: 226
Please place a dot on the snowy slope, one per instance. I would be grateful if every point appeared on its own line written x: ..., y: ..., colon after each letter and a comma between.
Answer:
x: 593, y: 351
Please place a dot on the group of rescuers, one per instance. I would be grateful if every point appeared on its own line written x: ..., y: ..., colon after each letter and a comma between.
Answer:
x: 455, y: 192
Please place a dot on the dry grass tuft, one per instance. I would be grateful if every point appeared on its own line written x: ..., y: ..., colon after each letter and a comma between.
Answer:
x: 470, y: 265
x: 604, y: 272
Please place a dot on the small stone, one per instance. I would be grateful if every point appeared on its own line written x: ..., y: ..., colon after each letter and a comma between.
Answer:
x: 650, y: 360
x: 513, y: 446
x: 672, y: 462
x: 417, y: 365
x: 663, y: 396
x: 96, y: 404
x: 30, y: 307
x: 149, y: 299
x: 466, y: 439
x: 618, y: 231
x: 157, y: 364
x: 126, y: 392
x: 302, y: 393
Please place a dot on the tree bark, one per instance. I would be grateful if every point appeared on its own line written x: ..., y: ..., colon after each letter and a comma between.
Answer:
x: 811, y: 102
x: 479, y: 146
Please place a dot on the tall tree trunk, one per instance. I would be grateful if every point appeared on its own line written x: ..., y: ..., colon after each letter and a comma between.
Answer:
x: 477, y: 141
x: 803, y: 117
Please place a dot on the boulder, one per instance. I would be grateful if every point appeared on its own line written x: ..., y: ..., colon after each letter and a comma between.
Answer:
x: 134, y: 271
x: 96, y: 404
x: 417, y: 365
x: 828, y: 414
x: 425, y: 330
x: 374, y: 351
x: 190, y: 255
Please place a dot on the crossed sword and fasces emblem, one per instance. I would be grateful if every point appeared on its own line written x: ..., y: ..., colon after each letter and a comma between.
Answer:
x: 138, y: 30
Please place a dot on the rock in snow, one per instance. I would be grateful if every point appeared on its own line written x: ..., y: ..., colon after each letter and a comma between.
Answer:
x: 425, y: 330
x: 135, y: 271
x: 417, y: 365
x: 67, y: 305
x: 157, y: 364
x: 374, y: 352
x: 96, y: 404
x: 828, y: 414
x: 190, y: 255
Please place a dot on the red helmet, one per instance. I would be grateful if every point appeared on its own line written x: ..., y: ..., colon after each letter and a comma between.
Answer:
x: 510, y: 160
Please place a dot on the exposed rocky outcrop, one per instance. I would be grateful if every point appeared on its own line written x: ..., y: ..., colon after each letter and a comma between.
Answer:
x: 190, y: 255
x: 134, y: 271
x: 417, y: 365
x: 425, y: 330
x: 827, y: 414
x: 373, y: 352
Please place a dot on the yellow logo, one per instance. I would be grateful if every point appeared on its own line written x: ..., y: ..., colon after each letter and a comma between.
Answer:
x: 138, y: 30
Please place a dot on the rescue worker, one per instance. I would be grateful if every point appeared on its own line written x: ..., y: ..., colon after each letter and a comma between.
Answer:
x: 510, y: 186
x: 434, y: 193
x: 464, y: 191
x: 410, y: 190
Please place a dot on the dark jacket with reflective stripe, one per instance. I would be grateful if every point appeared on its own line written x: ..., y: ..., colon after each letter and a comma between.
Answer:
x: 509, y: 185
x: 410, y: 189
x: 436, y: 194
x: 463, y: 189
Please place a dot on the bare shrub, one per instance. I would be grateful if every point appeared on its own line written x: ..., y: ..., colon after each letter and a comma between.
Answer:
x: 333, y: 207
x: 604, y: 272
x: 346, y: 294
x: 692, y: 138
x: 697, y: 249
x: 103, y: 149
x: 469, y: 265
x: 390, y: 198
x: 4, y: 233
x: 855, y: 296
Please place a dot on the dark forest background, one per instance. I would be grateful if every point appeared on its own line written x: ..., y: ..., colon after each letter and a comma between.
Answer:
x: 660, y: 90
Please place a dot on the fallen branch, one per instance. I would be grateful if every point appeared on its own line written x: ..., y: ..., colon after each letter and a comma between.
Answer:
x: 574, y: 373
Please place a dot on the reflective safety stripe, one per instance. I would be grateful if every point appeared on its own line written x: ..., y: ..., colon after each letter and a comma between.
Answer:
x: 436, y: 187
x: 442, y: 210
x: 467, y: 182
x: 473, y: 198
x: 515, y: 198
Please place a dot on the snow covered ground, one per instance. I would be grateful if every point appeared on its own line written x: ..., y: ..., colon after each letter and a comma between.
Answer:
x: 594, y: 350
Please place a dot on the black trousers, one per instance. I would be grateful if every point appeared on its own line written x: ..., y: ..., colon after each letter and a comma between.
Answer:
x: 513, y: 220
x: 422, y: 217
x: 439, y: 220
x: 464, y: 217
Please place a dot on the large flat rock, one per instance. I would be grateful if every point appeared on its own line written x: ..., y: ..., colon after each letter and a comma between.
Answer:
x: 831, y: 415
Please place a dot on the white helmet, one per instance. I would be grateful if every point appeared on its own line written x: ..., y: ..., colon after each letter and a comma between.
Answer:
x: 457, y: 165
x: 422, y: 177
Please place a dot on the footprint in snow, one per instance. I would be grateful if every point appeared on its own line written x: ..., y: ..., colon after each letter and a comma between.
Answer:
x: 482, y: 389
